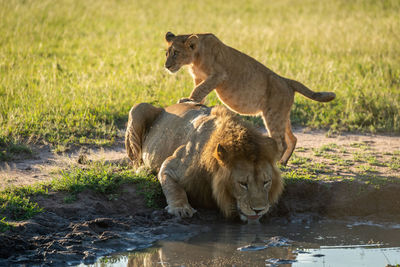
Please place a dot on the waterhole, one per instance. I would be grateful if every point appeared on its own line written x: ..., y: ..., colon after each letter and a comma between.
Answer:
x: 323, y: 243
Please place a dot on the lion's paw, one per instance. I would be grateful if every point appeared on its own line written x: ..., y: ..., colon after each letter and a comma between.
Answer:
x: 186, y: 99
x: 182, y: 212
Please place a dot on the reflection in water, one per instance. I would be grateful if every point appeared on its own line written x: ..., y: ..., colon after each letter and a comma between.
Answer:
x: 320, y: 244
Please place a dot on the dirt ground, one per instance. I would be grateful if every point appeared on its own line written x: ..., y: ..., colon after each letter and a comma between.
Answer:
x: 43, y: 164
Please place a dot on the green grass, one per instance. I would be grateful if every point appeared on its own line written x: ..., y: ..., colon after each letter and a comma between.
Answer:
x: 362, y: 145
x: 17, y: 203
x: 321, y: 151
x: 4, y: 226
x: 297, y: 160
x: 394, y: 163
x: 10, y: 150
x: 71, y: 70
x: 107, y: 179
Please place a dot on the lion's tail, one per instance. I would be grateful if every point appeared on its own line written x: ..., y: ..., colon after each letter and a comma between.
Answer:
x: 141, y: 117
x: 317, y: 96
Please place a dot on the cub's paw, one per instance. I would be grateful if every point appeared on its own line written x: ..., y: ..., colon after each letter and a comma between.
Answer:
x: 186, y: 99
x: 182, y: 212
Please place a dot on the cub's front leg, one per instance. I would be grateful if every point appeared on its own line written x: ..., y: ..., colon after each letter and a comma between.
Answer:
x: 169, y: 176
x: 204, y: 88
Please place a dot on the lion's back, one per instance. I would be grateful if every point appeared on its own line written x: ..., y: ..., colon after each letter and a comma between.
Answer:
x: 173, y: 128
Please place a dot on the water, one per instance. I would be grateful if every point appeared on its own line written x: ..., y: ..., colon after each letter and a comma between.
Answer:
x: 325, y: 243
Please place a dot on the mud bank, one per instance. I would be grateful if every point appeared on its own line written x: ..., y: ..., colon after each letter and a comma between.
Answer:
x: 340, y: 199
x: 93, y: 225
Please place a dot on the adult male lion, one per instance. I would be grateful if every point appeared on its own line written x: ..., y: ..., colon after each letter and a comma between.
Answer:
x: 208, y: 157
x: 241, y: 83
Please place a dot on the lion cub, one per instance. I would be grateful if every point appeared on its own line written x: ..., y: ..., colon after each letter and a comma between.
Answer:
x: 242, y: 83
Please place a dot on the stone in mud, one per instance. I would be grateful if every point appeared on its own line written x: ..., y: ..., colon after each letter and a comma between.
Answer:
x: 273, y: 261
x: 252, y: 248
x: 278, y: 241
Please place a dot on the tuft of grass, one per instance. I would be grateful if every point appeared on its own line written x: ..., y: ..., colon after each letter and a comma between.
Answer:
x: 358, y: 157
x: 10, y: 149
x: 70, y: 198
x: 16, y: 204
x: 297, y: 160
x: 372, y: 160
x: 301, y: 149
x: 150, y: 188
x: 4, y: 225
x: 322, y: 151
x: 299, y: 174
x: 394, y: 163
x: 317, y: 168
x: 361, y: 145
x: 366, y: 168
x: 325, y: 148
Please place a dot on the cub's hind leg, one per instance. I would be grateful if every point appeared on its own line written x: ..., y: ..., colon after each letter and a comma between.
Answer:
x: 291, y: 141
x: 275, y: 124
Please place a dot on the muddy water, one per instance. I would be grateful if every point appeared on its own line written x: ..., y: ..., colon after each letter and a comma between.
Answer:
x: 324, y: 243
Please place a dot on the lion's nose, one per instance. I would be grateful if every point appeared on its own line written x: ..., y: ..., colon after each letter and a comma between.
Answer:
x: 258, y: 209
x: 168, y: 65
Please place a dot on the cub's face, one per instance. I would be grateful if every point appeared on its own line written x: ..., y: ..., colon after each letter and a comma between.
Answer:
x: 180, y: 51
x: 251, y: 188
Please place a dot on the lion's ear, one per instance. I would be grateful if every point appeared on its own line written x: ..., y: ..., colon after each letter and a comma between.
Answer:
x: 192, y: 41
x: 220, y: 153
x: 169, y: 37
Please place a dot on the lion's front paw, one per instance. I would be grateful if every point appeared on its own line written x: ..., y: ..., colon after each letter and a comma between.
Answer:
x: 182, y: 212
x: 185, y: 99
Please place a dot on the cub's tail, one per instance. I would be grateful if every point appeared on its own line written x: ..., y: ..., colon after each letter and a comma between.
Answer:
x: 317, y: 96
x: 141, y: 117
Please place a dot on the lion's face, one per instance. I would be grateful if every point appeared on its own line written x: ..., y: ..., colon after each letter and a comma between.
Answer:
x: 251, y: 185
x: 180, y: 51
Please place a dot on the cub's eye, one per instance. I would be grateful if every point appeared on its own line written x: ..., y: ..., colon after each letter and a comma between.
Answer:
x: 266, y: 183
x: 243, y: 184
x: 176, y: 53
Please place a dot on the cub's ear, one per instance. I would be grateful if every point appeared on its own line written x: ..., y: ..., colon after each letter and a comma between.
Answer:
x: 169, y: 37
x: 192, y: 41
x: 220, y: 153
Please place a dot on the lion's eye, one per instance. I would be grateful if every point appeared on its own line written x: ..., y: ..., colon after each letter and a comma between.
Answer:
x: 266, y: 183
x: 176, y: 53
x: 244, y: 185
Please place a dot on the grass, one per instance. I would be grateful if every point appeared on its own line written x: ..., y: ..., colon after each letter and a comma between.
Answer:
x: 321, y: 151
x: 107, y: 179
x: 394, y: 163
x: 71, y: 70
x: 17, y: 203
x: 10, y: 150
x: 5, y: 226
